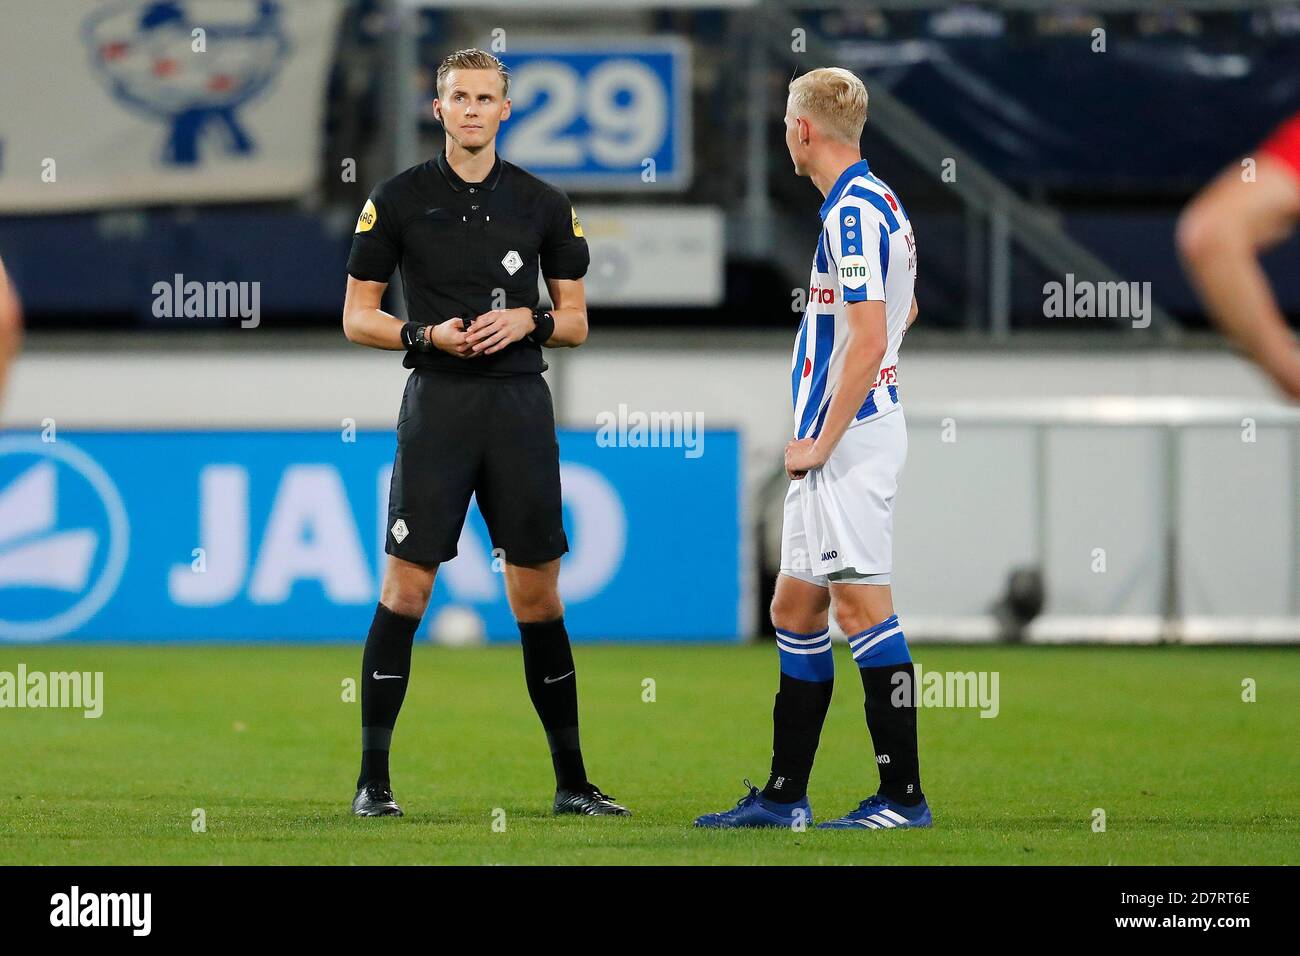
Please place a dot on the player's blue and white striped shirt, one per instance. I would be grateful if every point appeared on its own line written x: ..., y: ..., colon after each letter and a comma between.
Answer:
x: 866, y: 251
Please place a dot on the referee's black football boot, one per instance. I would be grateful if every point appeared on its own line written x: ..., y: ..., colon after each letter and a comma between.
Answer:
x: 588, y: 801
x: 375, y: 800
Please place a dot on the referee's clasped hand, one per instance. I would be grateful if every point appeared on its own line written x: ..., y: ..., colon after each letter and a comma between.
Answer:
x: 493, y: 331
x: 450, y: 337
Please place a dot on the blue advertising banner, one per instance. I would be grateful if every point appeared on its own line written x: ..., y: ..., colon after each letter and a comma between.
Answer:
x: 601, y: 115
x: 279, y: 536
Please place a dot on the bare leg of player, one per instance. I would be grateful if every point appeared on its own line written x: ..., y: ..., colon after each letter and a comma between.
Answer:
x: 1221, y: 235
x: 861, y: 606
x: 533, y: 591
x: 799, y: 606
x: 407, y: 587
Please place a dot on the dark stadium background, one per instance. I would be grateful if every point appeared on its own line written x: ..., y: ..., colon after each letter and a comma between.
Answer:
x: 1005, y: 82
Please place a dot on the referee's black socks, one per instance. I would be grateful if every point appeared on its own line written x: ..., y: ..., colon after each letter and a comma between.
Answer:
x: 553, y: 687
x: 385, y: 672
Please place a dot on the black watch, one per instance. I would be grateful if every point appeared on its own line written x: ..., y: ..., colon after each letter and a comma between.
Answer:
x: 415, y: 337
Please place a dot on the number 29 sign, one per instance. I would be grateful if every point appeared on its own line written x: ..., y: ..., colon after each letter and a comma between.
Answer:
x: 601, y: 117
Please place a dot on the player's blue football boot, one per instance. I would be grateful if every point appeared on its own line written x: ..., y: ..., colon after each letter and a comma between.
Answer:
x: 752, y: 810
x: 880, y: 813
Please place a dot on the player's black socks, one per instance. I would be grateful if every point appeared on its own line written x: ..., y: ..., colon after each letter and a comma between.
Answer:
x: 553, y: 687
x: 385, y: 672
x: 807, y: 679
x: 889, y: 682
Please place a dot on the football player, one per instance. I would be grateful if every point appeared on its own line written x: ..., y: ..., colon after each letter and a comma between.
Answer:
x: 844, y: 464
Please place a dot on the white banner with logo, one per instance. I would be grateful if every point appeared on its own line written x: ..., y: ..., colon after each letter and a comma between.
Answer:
x: 112, y: 102
x: 654, y: 255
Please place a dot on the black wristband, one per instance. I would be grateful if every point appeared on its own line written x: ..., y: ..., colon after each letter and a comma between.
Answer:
x: 545, y: 323
x: 413, y: 339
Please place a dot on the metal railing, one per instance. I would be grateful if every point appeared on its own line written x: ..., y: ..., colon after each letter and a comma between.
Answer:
x: 997, y: 216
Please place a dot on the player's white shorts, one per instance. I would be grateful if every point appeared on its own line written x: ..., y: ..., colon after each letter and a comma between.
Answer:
x: 839, y: 519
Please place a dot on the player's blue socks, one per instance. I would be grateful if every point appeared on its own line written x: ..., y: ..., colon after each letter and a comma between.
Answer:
x: 807, y: 678
x: 881, y: 646
x: 889, y: 683
x: 806, y: 656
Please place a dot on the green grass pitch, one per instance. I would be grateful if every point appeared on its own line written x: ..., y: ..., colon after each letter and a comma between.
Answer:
x: 260, y: 739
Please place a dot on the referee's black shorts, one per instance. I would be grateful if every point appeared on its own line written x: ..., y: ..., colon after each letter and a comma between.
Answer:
x: 460, y: 435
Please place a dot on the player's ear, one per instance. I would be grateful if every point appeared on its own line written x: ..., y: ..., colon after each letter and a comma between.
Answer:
x: 505, y: 110
x: 437, y: 109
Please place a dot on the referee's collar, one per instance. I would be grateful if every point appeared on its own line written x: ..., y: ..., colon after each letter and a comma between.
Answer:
x: 459, y: 184
x: 860, y: 168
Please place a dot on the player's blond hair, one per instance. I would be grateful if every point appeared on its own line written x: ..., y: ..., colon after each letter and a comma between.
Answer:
x: 472, y: 59
x: 834, y: 99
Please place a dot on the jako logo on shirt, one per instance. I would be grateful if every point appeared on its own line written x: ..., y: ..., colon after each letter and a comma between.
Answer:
x: 828, y: 555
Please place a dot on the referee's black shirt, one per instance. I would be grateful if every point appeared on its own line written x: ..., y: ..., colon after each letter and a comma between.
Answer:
x: 458, y: 242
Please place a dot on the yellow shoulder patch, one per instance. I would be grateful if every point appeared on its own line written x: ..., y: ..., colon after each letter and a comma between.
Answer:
x: 577, y: 226
x: 366, y: 221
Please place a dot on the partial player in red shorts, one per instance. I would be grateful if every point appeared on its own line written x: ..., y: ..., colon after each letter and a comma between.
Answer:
x: 1247, y: 210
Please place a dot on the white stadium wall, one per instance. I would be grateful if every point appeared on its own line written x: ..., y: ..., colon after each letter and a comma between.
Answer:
x: 969, y: 511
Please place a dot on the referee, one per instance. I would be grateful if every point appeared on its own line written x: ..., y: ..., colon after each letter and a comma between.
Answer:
x: 469, y: 231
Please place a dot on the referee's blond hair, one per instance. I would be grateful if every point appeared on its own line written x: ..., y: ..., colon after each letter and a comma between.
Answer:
x: 472, y: 59
x: 834, y: 99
